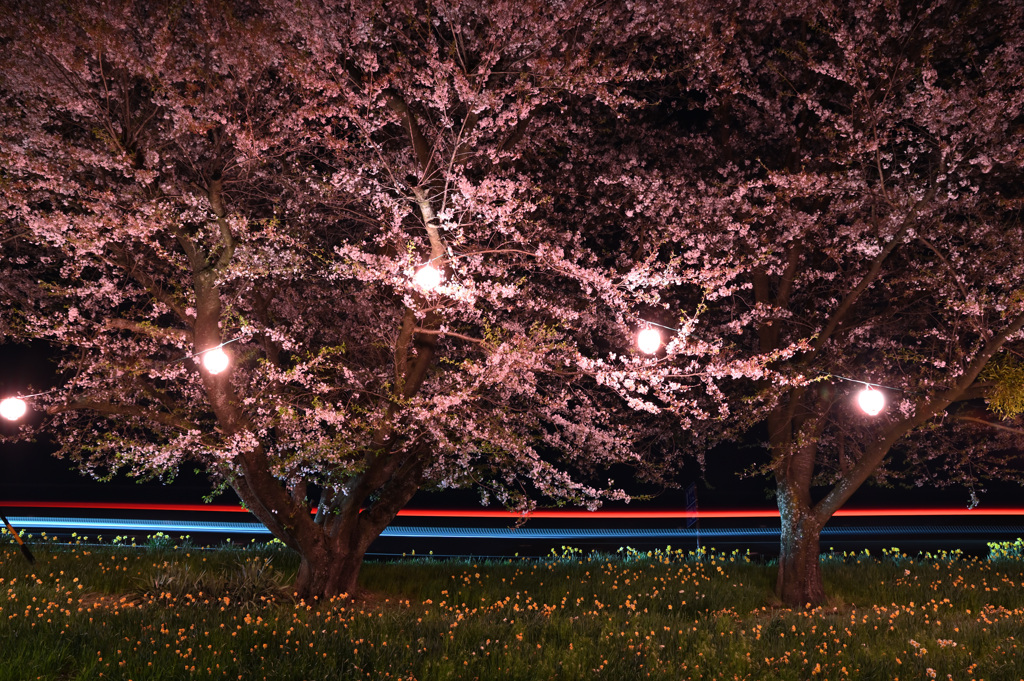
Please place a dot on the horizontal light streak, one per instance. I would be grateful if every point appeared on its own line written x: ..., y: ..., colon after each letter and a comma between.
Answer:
x: 566, y: 514
x: 744, y: 513
x: 519, y: 533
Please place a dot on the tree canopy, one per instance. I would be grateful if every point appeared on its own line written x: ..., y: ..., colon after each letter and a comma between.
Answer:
x: 269, y: 178
x: 796, y: 194
x: 854, y: 208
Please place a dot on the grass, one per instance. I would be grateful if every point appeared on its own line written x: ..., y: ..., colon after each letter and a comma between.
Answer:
x: 159, y: 612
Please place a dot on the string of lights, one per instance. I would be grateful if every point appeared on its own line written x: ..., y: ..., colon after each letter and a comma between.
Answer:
x: 870, y: 399
x: 868, y: 383
x: 427, y: 277
x: 213, y: 359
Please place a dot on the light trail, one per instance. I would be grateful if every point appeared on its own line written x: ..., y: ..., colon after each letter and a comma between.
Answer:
x: 957, y: 526
x: 744, y: 513
x: 518, y: 533
x: 557, y: 514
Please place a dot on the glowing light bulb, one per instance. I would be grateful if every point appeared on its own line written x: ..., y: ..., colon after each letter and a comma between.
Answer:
x: 216, y: 360
x: 649, y: 340
x: 871, y: 401
x: 428, y: 277
x: 13, y: 408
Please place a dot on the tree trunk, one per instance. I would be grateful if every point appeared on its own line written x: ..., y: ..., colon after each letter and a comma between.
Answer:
x: 331, y: 552
x: 326, y: 574
x: 799, y: 580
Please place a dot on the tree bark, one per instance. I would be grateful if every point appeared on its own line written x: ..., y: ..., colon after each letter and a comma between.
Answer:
x: 327, y: 573
x: 799, y: 582
x: 332, y: 546
x: 330, y: 554
x: 795, y: 427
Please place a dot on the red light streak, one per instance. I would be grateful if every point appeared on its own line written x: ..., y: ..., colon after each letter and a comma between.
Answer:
x: 748, y: 513
x: 568, y: 515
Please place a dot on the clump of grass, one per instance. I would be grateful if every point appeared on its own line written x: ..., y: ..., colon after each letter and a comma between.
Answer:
x: 249, y: 582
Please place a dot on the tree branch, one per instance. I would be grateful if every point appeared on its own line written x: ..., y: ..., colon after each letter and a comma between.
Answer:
x: 126, y: 410
x: 853, y: 296
x: 925, y: 409
x: 789, y: 276
x: 215, y: 194
x: 430, y: 222
x: 998, y: 426
x: 123, y: 259
x: 438, y: 332
x: 517, y: 134
x: 148, y: 329
x: 422, y: 149
x: 945, y: 262
x: 196, y: 258
x: 401, y: 351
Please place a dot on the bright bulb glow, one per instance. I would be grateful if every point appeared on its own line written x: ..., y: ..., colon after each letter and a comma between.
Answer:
x: 871, y: 401
x: 428, y: 278
x: 215, y: 360
x: 13, y: 408
x: 649, y: 340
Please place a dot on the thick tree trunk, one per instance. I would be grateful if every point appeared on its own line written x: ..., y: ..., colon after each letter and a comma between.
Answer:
x: 332, y: 545
x: 331, y: 552
x: 326, y: 574
x: 795, y: 447
x: 799, y: 580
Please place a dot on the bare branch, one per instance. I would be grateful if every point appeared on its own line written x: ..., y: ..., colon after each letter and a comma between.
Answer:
x: 215, y: 194
x: 158, y: 332
x: 998, y: 426
x: 436, y: 332
x: 126, y: 410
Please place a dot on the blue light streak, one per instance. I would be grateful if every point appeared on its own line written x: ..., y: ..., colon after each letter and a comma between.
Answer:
x: 401, y: 531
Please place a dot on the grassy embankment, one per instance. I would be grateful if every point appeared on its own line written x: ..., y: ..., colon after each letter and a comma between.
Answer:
x: 119, y: 612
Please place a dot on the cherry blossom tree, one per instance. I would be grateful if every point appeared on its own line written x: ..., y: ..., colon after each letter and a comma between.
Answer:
x: 850, y: 176
x: 803, y: 191
x: 269, y: 180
